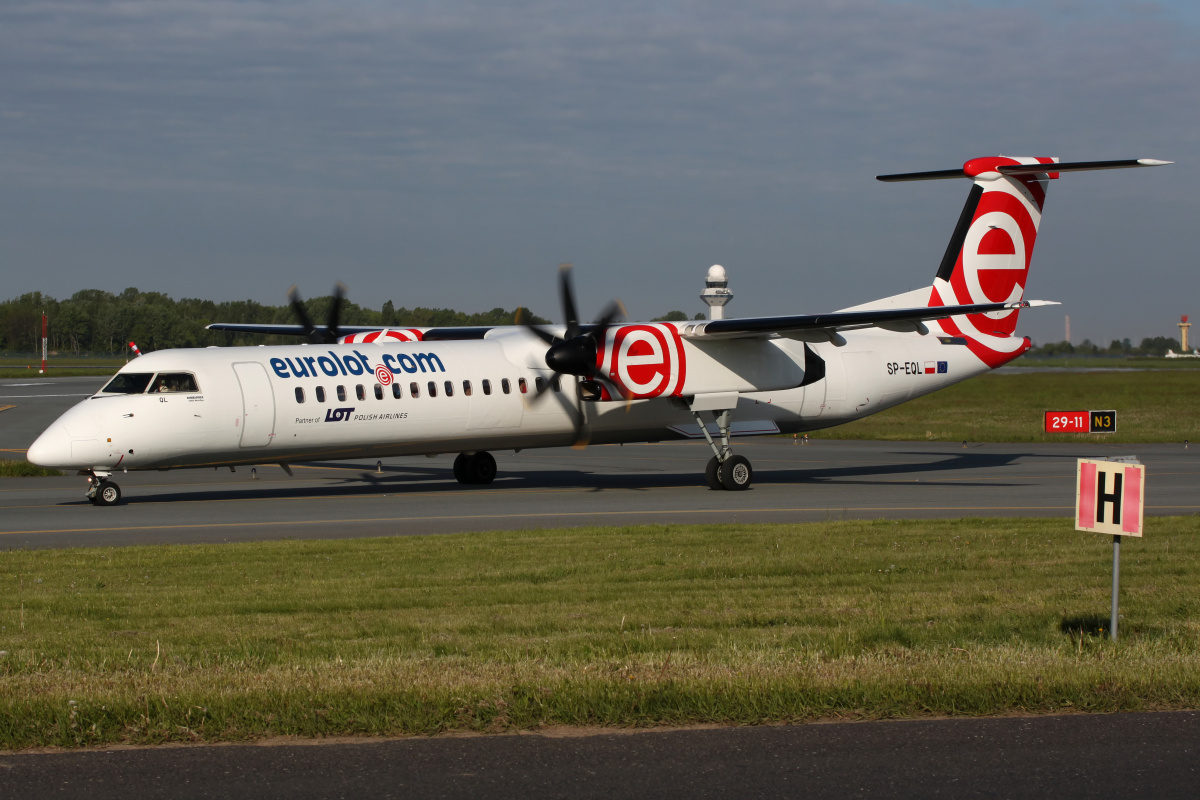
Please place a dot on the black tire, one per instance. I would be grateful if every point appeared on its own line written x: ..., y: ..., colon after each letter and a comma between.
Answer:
x: 481, y: 467
x: 712, y: 474
x: 460, y: 468
x: 109, y: 494
x: 736, y: 473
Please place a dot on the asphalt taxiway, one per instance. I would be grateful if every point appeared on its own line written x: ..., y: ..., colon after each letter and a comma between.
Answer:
x: 1092, y: 756
x: 608, y: 485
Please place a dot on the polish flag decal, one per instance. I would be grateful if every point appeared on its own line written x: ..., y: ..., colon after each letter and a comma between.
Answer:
x: 930, y: 367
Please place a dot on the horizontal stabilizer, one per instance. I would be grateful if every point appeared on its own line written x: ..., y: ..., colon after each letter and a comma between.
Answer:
x: 971, y: 170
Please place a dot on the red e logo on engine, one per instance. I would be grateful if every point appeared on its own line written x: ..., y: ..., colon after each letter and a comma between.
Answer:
x: 644, y: 360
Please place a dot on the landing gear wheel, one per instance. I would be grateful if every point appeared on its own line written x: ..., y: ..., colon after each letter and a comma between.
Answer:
x: 108, y: 494
x: 460, y: 468
x: 481, y: 467
x: 736, y: 473
x: 712, y: 474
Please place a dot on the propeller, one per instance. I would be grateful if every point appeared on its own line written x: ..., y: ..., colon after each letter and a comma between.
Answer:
x: 575, y: 352
x: 330, y: 333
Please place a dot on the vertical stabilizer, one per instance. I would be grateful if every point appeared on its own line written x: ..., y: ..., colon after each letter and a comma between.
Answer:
x: 987, y: 260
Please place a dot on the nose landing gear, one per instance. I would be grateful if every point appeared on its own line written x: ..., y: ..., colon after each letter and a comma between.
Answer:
x: 101, y: 491
x: 724, y: 470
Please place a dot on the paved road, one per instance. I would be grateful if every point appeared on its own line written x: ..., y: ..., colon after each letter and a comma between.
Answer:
x: 564, y: 487
x: 1094, y: 756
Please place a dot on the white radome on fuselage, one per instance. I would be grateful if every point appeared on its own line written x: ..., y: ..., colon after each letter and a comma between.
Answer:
x: 246, y: 412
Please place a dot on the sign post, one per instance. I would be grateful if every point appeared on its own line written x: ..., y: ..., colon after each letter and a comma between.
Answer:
x: 1109, y: 499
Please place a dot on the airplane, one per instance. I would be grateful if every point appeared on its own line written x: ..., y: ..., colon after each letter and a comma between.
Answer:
x: 362, y: 392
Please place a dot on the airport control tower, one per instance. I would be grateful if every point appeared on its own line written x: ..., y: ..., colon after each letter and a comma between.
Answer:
x: 716, y: 292
x: 1183, y: 332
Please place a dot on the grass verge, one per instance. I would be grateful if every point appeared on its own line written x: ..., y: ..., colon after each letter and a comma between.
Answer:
x: 602, y: 626
x: 1151, y: 407
x: 12, y: 468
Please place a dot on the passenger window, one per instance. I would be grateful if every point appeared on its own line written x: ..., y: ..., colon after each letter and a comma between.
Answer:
x: 505, y: 386
x: 359, y: 392
x: 396, y: 390
x: 555, y: 384
x: 539, y: 384
x: 432, y: 389
x: 320, y: 394
x: 174, y: 382
x: 524, y: 387
x: 378, y: 392
x: 341, y: 390
x: 414, y: 389
x: 299, y: 394
x: 467, y: 388
x: 487, y: 386
x: 449, y: 389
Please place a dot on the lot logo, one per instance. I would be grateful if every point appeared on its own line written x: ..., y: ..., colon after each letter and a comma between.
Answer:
x: 338, y: 414
x: 643, y: 360
x: 383, y: 375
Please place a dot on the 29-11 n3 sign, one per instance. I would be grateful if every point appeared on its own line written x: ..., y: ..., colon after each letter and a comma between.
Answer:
x: 1081, y: 421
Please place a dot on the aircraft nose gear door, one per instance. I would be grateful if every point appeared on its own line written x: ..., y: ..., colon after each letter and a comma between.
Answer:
x: 258, y: 404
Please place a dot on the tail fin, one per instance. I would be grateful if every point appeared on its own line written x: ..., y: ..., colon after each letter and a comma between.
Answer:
x: 987, y: 260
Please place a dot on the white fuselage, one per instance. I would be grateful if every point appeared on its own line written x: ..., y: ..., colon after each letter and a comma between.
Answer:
x: 256, y: 405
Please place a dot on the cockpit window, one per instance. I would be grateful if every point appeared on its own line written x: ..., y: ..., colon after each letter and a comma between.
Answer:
x: 128, y: 383
x: 174, y: 382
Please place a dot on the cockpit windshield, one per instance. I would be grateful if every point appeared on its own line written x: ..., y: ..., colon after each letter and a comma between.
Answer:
x: 136, y: 383
x: 128, y: 383
x: 174, y: 382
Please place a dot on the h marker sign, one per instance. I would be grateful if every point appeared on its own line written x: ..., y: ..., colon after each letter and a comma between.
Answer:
x: 1109, y: 497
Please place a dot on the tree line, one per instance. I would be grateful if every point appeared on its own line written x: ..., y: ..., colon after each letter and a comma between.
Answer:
x: 96, y: 322
x: 1118, y: 348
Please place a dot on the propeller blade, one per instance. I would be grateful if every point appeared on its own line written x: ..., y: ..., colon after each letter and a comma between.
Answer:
x: 522, y: 320
x: 301, y: 312
x: 567, y: 294
x: 335, y: 313
x: 615, y: 310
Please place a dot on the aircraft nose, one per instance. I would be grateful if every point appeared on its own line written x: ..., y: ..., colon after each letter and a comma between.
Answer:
x: 51, y: 449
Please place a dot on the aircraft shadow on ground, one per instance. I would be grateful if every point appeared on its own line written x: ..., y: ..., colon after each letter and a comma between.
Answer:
x: 418, y: 479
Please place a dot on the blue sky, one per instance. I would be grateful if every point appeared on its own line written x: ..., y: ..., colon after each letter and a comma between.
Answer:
x: 452, y: 154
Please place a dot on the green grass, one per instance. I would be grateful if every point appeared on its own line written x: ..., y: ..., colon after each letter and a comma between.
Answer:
x: 1101, y: 362
x: 63, y: 366
x: 1151, y: 407
x: 603, y: 626
x: 12, y: 468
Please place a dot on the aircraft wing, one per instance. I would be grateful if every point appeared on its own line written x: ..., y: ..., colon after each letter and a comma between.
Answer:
x: 431, y: 334
x: 825, y: 326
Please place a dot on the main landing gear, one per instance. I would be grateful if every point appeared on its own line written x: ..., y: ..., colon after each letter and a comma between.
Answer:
x: 475, y: 468
x: 101, y: 491
x: 725, y: 470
